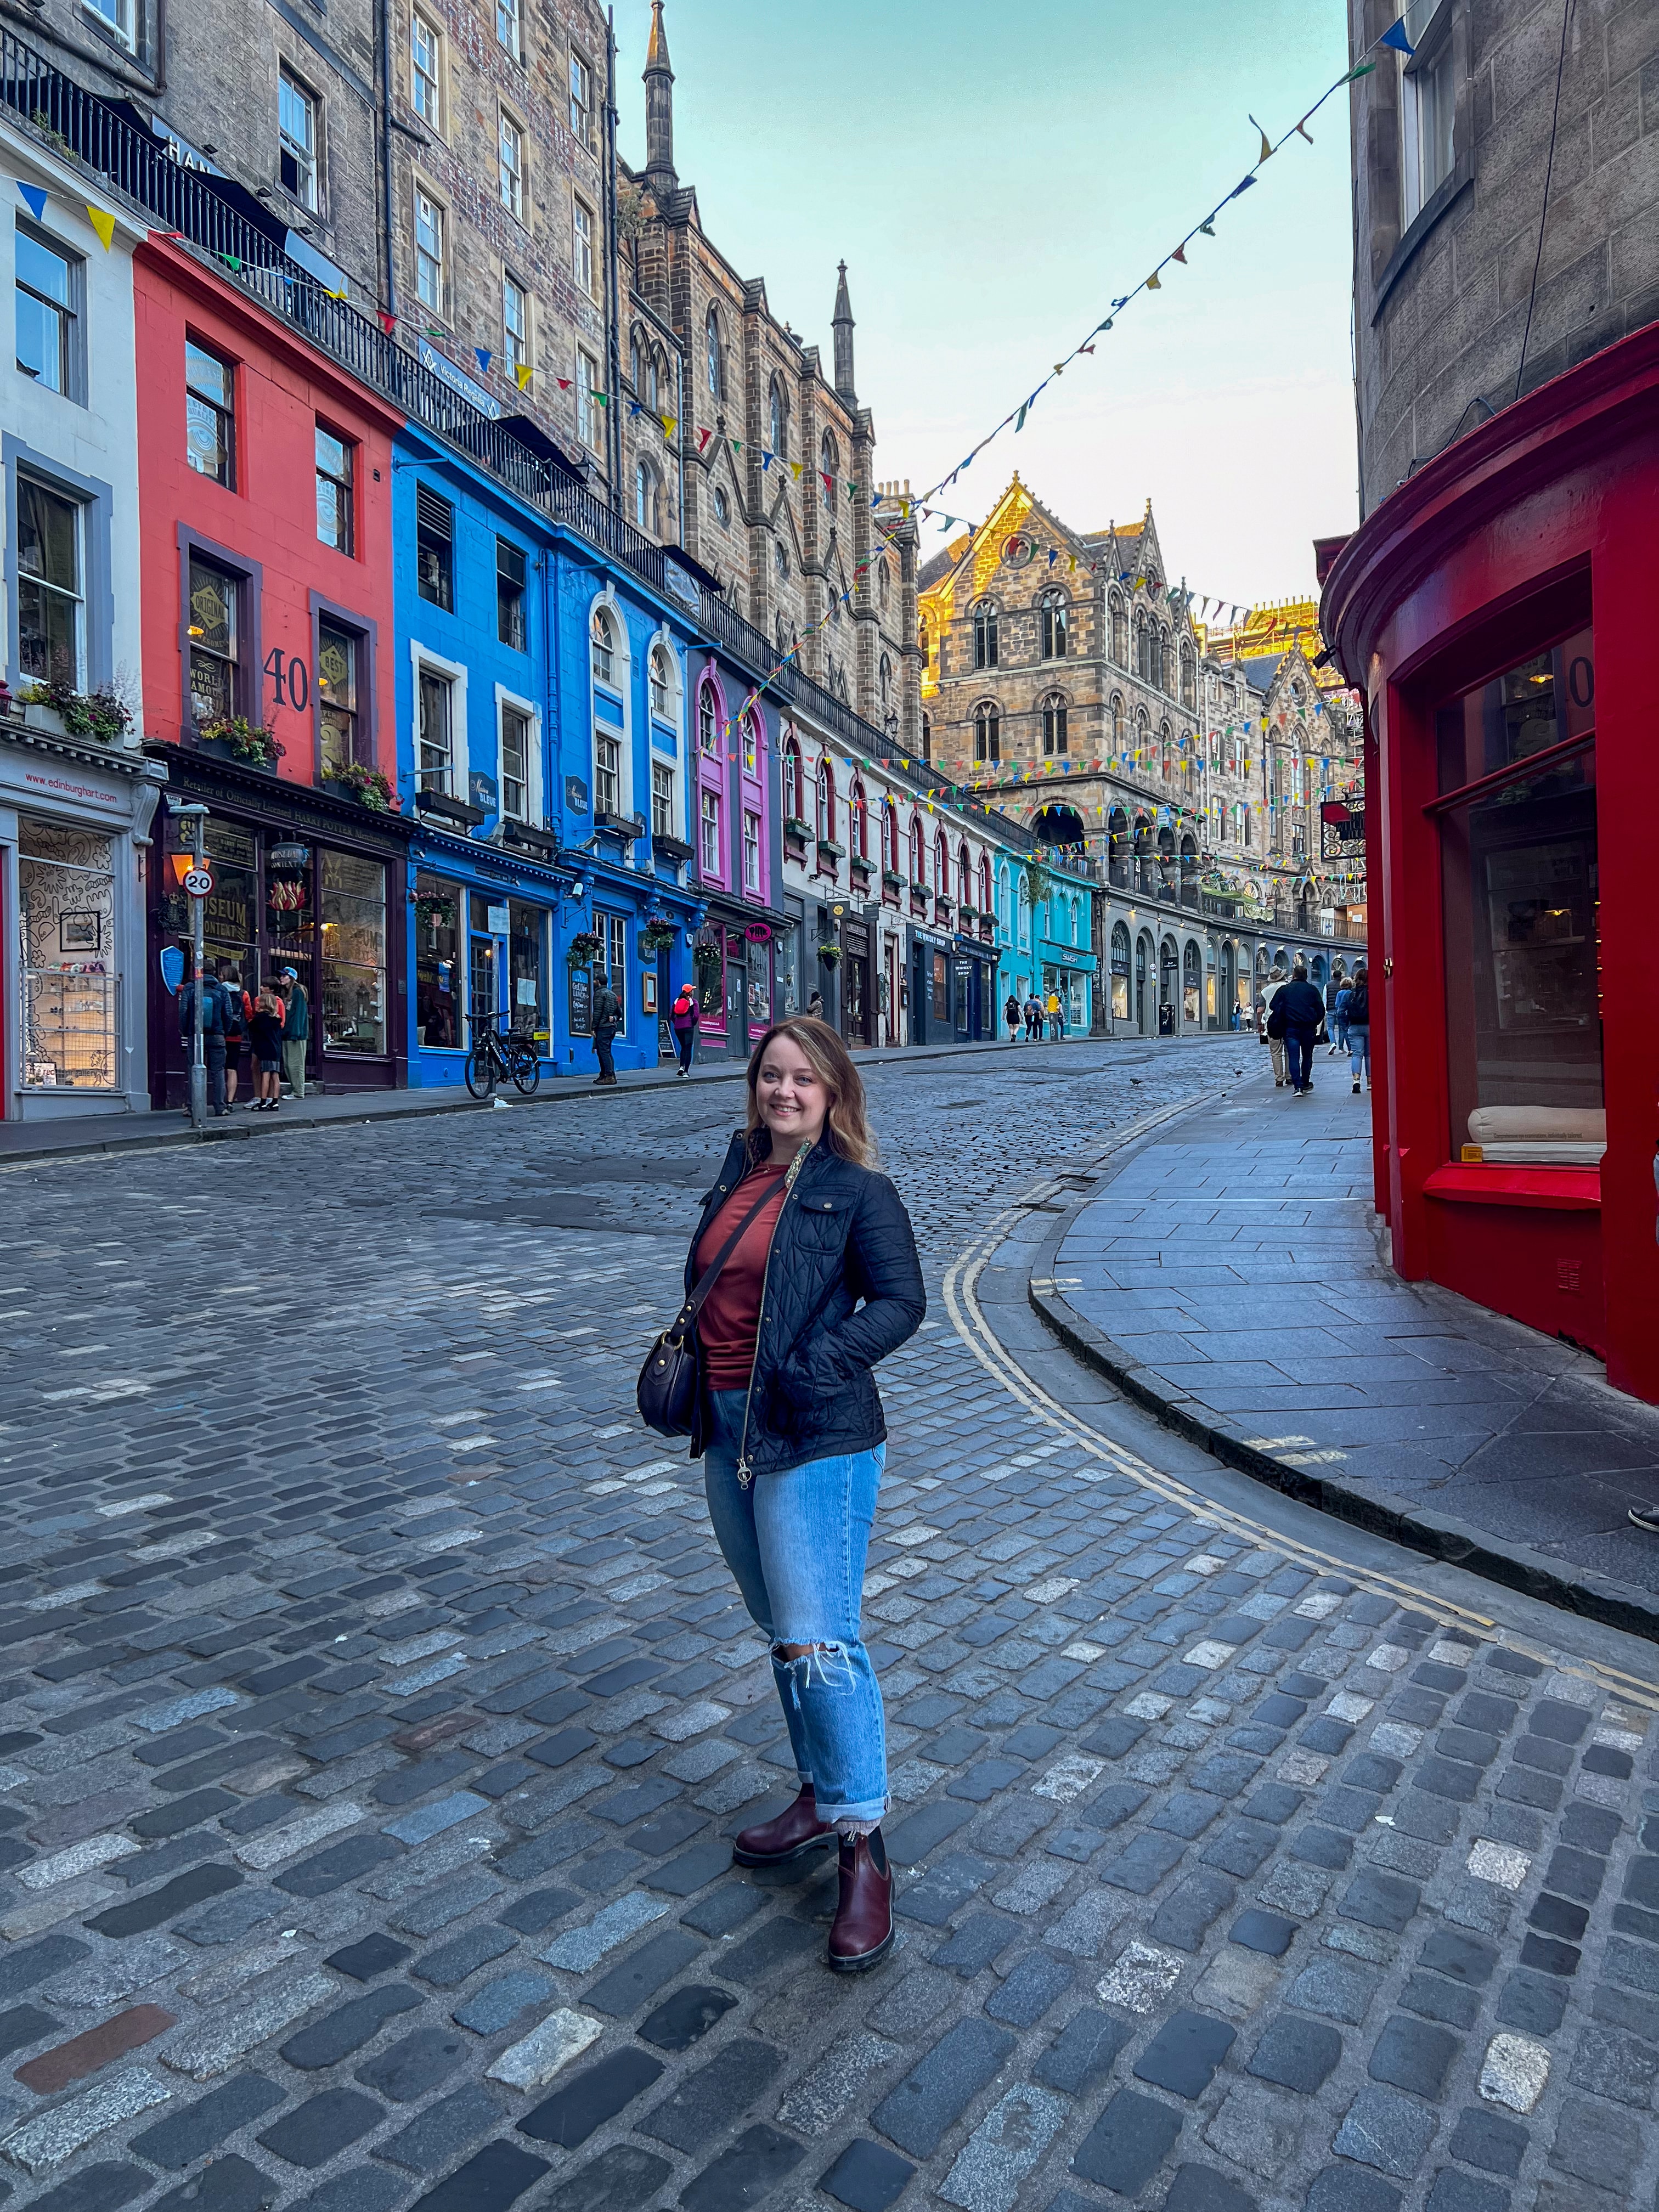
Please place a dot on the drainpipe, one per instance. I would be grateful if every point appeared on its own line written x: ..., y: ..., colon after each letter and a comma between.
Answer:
x: 613, y: 342
x: 383, y: 13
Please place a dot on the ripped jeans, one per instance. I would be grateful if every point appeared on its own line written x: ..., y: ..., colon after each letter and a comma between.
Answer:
x: 796, y: 1543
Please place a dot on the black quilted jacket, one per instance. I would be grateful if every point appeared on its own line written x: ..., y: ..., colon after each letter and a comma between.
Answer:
x: 843, y: 1289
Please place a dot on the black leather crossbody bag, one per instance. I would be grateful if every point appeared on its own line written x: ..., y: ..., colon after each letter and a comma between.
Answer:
x: 667, y: 1393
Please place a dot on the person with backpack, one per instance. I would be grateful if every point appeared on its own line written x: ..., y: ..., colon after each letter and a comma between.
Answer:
x: 1359, y: 1028
x: 1033, y: 1019
x: 1300, y: 1011
x: 239, y: 1013
x: 607, y: 1020
x: 1340, y: 1019
x: 683, y: 1018
x: 213, y: 1033
x: 1010, y: 1015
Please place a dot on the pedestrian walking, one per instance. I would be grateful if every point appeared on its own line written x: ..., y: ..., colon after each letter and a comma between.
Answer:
x: 1056, y: 1014
x: 239, y: 1013
x: 1301, y: 1011
x: 1010, y: 1015
x: 296, y: 1029
x: 815, y: 1004
x: 1269, y: 1027
x: 266, y: 1037
x: 213, y: 1032
x: 683, y: 1018
x: 607, y: 1020
x: 821, y: 1282
x: 1033, y: 1019
x: 1340, y: 1018
x: 1359, y: 1028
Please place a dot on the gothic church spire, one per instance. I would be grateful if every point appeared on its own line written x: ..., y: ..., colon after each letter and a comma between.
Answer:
x: 659, y: 107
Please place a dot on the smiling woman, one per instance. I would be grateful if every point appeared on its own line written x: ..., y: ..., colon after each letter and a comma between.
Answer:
x: 817, y: 1279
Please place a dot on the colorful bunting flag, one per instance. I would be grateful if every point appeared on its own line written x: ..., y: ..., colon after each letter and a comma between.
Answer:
x: 670, y: 424
x: 524, y: 373
x: 1395, y: 36
x: 34, y: 199
x: 483, y: 356
x: 1266, y: 153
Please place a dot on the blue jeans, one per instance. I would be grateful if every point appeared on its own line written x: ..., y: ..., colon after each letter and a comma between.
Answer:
x: 796, y: 1542
x: 1298, y: 1058
x: 1359, y: 1050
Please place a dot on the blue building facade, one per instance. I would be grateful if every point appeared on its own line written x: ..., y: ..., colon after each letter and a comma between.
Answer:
x: 542, y: 720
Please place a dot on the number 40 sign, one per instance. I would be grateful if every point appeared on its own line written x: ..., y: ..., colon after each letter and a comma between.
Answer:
x: 290, y: 679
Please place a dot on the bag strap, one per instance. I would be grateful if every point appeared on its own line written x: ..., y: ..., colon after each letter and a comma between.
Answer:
x: 694, y: 1305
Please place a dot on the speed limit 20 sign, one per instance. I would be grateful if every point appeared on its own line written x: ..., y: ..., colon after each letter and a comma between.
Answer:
x: 198, y: 882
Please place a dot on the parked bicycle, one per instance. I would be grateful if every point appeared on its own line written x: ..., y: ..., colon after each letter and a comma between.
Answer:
x: 496, y: 1058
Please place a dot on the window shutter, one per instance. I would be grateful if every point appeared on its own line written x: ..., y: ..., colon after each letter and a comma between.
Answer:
x: 433, y: 513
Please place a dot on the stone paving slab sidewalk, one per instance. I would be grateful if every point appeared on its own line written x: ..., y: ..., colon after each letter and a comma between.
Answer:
x: 1228, y: 1278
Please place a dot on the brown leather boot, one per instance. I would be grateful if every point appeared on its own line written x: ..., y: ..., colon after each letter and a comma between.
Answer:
x: 789, y: 1838
x: 862, y: 1934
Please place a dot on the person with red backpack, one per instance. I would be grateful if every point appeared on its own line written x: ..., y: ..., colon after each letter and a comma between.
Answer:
x: 683, y: 1018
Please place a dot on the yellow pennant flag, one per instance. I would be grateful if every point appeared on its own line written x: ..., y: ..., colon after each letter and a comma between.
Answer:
x: 796, y: 466
x: 103, y: 224
x: 524, y: 373
x: 1154, y: 283
x: 670, y: 424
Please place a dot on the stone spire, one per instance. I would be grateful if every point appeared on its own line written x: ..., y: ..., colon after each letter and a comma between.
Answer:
x: 843, y: 328
x: 659, y: 107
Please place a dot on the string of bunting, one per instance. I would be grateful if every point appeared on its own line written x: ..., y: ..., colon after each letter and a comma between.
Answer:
x: 34, y: 197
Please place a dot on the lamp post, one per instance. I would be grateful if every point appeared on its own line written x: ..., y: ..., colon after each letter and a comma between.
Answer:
x: 195, y: 816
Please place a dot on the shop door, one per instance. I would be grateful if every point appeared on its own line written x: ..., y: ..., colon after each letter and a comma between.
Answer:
x: 481, y: 979
x: 1141, y: 951
x: 891, y: 1009
x: 939, y: 1012
x: 856, y: 984
x: 737, y: 987
x: 964, y: 988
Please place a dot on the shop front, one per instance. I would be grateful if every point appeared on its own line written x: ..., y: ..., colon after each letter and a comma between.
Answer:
x: 857, y: 981
x: 482, y: 928
x: 74, y: 829
x: 932, y: 987
x: 975, y: 989
x: 1498, y: 608
x: 1068, y: 975
x: 300, y: 880
x: 737, y: 961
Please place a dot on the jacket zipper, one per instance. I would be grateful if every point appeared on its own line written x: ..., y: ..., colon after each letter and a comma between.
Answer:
x: 745, y: 1473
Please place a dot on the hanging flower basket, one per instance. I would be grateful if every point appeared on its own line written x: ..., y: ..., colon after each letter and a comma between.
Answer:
x: 830, y: 954
x: 656, y: 937
x: 435, y: 908
x: 709, y: 957
x: 583, y: 948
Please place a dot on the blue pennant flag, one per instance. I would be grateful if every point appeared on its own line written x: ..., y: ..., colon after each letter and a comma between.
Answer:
x: 36, y: 197
x: 1395, y: 36
x: 483, y: 356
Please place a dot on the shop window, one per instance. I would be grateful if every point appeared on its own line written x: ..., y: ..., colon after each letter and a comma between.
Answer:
x: 215, y: 628
x: 209, y: 414
x: 509, y: 593
x: 230, y: 915
x: 49, y: 291
x: 437, y: 942
x: 289, y: 916
x: 343, y: 738
x: 526, y: 966
x: 435, y: 738
x: 353, y: 954
x: 336, y: 467
x: 434, y: 548
x: 662, y: 799
x: 51, y: 592
x: 607, y: 773
x: 1119, y: 960
x: 66, y: 912
x: 515, y: 762
x: 941, y: 989
x: 612, y: 966
x: 1517, y: 760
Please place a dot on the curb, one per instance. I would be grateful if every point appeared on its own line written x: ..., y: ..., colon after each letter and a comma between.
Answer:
x: 560, y: 1091
x: 1514, y: 1566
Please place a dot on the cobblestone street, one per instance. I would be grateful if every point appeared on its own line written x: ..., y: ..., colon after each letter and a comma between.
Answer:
x: 378, y: 1713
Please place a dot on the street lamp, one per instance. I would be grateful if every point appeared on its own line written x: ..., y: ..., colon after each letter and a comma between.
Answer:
x: 195, y: 816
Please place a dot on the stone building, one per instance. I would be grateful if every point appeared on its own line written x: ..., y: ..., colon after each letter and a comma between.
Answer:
x: 775, y: 455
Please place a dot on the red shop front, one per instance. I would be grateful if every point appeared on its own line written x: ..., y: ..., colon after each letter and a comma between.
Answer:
x: 1496, y: 613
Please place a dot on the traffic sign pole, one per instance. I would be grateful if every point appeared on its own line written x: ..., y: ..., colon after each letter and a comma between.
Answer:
x: 198, y: 1046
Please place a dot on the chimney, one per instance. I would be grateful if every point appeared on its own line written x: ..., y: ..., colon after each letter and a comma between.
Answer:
x: 843, y: 330
x: 659, y: 107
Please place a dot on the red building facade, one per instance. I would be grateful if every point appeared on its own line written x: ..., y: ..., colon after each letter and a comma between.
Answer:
x: 1496, y: 612
x: 265, y: 508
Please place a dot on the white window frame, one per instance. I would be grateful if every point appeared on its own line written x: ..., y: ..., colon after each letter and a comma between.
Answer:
x: 510, y: 163
x: 752, y: 852
x: 662, y: 787
x: 1428, y: 109
x: 708, y: 835
x: 422, y: 25
x: 608, y: 740
x: 77, y: 598
x: 587, y: 372
x: 515, y: 344
x: 117, y: 16
x: 439, y: 663
x: 509, y: 28
x: 507, y: 702
x: 581, y: 245
x: 622, y: 687
x: 307, y: 158
x: 581, y: 81
x: 439, y: 210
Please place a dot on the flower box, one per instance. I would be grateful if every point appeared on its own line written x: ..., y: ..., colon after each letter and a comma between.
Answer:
x: 828, y: 846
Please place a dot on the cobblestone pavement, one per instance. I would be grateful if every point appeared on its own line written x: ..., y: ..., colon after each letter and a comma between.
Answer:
x: 377, y: 1714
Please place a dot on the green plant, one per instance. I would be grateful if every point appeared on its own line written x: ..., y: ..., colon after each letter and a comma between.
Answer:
x: 434, y: 908
x: 794, y: 827
x: 1038, y: 882
x: 830, y: 954
x: 656, y: 937
x: 583, y: 950
x: 370, y: 785
x: 829, y: 845
x: 102, y: 715
x: 249, y: 741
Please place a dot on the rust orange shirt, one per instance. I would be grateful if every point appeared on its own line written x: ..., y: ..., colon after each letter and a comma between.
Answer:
x: 727, y: 1324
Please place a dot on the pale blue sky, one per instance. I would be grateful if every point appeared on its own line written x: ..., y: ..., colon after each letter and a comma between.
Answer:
x: 993, y: 176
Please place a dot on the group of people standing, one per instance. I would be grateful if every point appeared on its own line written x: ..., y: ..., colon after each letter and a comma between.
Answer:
x: 272, y: 1025
x: 1291, y: 1015
x: 1038, y: 1014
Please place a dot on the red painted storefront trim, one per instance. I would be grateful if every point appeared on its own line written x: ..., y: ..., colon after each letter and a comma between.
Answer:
x: 1541, y: 517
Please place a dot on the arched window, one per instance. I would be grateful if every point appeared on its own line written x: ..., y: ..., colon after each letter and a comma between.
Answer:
x: 654, y: 373
x: 941, y: 864
x: 716, y: 356
x: 882, y: 581
x: 604, y: 647
x: 1053, y: 620
x: 1053, y: 725
x: 890, y: 836
x: 752, y: 743
x: 1120, y: 630
x: 1188, y: 676
x: 985, y: 882
x: 918, y: 869
x: 1118, y: 730
x: 828, y: 469
x: 1166, y: 749
x: 964, y: 875
x: 662, y: 685
x: 988, y: 733
x: 790, y: 780
x: 985, y: 633
x: 647, y: 498
x: 858, y: 823
x: 826, y: 799
x: 707, y: 721
x: 781, y: 559
x: 1166, y: 673
x: 1143, y: 661
x: 927, y: 737
x: 778, y: 420
x: 637, y: 364
x: 1143, y: 736
x: 884, y: 678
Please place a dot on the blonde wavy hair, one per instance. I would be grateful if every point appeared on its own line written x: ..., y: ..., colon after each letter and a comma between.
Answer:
x: 845, y: 1130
